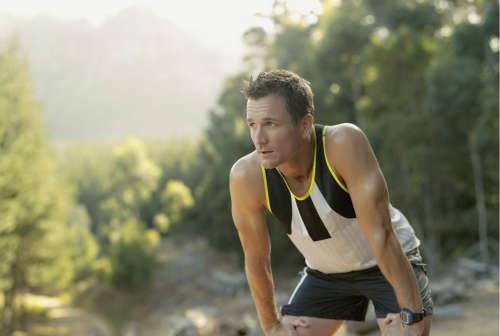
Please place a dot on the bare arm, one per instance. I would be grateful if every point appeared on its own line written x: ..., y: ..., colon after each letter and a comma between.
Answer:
x: 248, y: 216
x: 356, y: 163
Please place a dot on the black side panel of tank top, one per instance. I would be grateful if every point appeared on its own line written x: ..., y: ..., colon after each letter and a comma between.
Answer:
x: 279, y: 199
x: 337, y: 198
x: 314, y: 224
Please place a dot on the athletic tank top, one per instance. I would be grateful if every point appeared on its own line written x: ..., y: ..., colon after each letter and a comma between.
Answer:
x: 322, y: 224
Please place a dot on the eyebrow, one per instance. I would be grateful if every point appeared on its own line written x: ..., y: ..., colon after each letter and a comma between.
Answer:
x: 264, y: 119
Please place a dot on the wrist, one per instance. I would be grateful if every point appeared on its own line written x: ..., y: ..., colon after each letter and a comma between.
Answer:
x: 273, y: 325
x: 409, y: 317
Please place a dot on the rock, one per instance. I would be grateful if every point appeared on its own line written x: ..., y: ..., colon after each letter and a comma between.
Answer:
x: 448, y: 290
x: 451, y: 311
x: 203, y: 318
x: 180, y: 326
x: 486, y: 284
x: 224, y: 283
x: 232, y: 328
x: 476, y: 266
x: 131, y: 329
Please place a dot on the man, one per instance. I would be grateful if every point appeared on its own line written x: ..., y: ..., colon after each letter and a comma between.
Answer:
x: 326, y: 188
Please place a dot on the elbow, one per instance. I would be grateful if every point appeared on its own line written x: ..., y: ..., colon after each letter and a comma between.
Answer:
x: 382, y: 232
x: 382, y: 237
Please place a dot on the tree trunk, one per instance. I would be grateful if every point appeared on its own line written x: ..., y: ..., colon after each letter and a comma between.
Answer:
x: 8, y: 312
x: 432, y: 234
x: 480, y: 202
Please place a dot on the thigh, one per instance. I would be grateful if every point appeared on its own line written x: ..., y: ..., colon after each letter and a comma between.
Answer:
x: 379, y: 290
x: 318, y: 295
x: 317, y: 326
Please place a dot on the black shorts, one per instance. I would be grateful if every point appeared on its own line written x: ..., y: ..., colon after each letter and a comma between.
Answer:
x: 345, y: 296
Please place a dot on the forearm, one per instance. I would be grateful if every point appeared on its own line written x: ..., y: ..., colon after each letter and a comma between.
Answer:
x: 260, y: 280
x: 396, y: 268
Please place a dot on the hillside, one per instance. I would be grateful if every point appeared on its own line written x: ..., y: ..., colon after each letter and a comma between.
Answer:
x: 136, y: 73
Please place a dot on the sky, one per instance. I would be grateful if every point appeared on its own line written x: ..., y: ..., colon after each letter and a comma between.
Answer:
x: 219, y: 23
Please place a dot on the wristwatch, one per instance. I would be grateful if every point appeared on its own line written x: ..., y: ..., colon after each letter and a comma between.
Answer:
x: 408, y: 317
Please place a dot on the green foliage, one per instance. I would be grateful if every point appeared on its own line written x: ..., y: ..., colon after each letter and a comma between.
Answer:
x: 130, y: 193
x: 131, y: 255
x: 342, y: 34
x: 393, y: 14
x: 127, y: 242
x: 42, y: 248
x: 177, y: 198
x: 422, y: 97
x: 225, y: 140
x: 421, y: 94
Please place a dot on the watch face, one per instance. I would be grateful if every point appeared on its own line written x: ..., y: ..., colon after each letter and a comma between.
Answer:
x: 406, y: 317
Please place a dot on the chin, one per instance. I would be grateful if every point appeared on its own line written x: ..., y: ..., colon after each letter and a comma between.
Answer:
x: 269, y: 164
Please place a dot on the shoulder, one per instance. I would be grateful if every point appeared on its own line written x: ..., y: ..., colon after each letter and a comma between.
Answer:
x: 346, y: 141
x: 345, y: 134
x: 351, y: 153
x: 246, y: 175
x: 246, y: 168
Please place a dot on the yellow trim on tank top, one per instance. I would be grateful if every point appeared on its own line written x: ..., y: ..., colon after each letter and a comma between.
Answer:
x: 313, y: 175
x: 266, y: 190
x: 328, y: 163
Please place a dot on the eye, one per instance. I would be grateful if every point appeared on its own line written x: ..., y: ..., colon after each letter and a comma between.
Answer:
x: 270, y: 123
x: 251, y: 124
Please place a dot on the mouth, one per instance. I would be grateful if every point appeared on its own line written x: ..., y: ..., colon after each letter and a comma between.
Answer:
x: 265, y: 152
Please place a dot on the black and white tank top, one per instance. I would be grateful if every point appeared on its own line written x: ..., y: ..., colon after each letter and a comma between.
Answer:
x: 322, y: 224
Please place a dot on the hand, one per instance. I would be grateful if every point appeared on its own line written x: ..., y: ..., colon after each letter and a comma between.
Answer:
x: 394, y: 327
x: 287, y: 327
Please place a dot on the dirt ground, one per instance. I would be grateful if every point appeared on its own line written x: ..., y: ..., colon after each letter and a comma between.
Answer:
x: 184, y: 290
x: 479, y: 316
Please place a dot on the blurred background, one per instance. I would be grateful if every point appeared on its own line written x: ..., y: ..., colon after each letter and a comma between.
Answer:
x: 120, y: 120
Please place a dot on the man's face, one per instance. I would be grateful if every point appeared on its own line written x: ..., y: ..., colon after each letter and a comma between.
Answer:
x: 272, y: 129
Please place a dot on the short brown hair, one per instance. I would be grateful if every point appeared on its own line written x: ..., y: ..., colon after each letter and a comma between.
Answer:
x: 294, y: 89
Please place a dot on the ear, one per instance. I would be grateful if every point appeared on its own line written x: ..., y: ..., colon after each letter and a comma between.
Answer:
x: 307, y: 122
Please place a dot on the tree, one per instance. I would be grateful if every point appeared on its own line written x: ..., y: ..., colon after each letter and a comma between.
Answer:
x: 339, y: 40
x: 225, y: 140
x: 126, y: 239
x: 33, y: 202
x: 463, y: 90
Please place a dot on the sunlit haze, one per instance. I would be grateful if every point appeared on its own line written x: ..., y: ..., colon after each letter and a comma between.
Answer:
x: 187, y: 53
x: 219, y: 22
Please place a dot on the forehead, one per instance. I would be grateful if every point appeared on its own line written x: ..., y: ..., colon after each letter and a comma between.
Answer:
x: 268, y: 106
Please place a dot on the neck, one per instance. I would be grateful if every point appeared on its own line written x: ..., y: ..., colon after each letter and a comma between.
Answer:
x: 299, y: 167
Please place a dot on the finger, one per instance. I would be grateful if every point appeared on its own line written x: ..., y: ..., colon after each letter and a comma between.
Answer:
x: 300, y: 323
x: 390, y: 318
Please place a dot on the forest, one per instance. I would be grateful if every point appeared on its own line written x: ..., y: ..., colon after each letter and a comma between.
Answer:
x: 419, y: 77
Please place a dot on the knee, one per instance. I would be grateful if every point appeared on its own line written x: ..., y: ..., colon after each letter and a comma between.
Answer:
x: 315, y: 326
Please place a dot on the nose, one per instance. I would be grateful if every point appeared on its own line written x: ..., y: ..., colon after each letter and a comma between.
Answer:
x: 260, y: 136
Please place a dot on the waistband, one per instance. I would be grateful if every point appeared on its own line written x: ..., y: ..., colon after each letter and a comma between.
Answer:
x: 413, y: 256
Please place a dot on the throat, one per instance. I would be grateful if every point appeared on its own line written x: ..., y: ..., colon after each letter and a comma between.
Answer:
x: 298, y: 186
x: 299, y: 178
x: 299, y: 174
